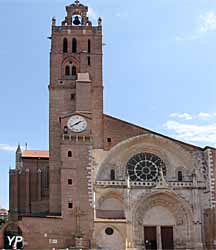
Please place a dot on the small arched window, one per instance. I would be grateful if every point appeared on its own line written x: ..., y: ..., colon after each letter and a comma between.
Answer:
x: 65, y: 129
x: 67, y: 70
x: 74, y: 45
x: 73, y: 97
x: 89, y: 61
x: 74, y: 72
x: 180, y: 176
x: 112, y: 174
x: 89, y: 46
x: 65, y: 45
x: 70, y: 205
x: 69, y: 154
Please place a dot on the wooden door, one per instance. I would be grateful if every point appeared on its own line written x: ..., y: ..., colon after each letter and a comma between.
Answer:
x: 167, y: 238
x: 150, y: 238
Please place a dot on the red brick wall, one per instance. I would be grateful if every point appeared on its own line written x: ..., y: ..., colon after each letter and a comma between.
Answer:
x: 75, y: 168
x: 24, y: 188
x: 210, y: 228
x: 118, y: 131
x: 60, y: 91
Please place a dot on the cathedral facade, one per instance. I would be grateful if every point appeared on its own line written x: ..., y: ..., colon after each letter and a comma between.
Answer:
x: 105, y: 183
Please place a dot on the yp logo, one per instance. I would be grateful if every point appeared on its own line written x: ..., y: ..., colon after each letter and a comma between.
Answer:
x: 14, y: 241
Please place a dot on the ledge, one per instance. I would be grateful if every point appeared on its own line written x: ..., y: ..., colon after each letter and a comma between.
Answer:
x: 139, y: 184
x: 97, y: 220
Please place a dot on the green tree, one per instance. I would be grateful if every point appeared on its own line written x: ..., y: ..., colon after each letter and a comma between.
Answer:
x: 2, y: 221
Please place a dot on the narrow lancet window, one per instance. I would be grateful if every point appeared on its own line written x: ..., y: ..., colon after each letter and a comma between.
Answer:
x: 180, y: 176
x: 112, y: 175
x: 74, y: 73
x: 67, y: 70
x: 74, y: 45
x: 65, y: 45
x: 89, y: 46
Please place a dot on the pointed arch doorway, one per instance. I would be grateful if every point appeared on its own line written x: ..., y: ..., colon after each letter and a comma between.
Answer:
x: 158, y: 229
x: 164, y: 220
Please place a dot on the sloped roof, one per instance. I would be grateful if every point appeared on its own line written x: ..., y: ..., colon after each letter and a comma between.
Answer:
x: 35, y: 154
x: 185, y: 144
x: 45, y: 154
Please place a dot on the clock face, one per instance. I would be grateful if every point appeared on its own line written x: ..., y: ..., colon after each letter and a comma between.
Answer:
x: 77, y: 123
x: 145, y: 167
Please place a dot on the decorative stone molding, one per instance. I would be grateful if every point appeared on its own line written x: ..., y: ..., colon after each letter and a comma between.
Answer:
x: 137, y: 184
x: 211, y: 178
x: 199, y: 165
x: 90, y: 176
x: 168, y: 150
x: 168, y: 199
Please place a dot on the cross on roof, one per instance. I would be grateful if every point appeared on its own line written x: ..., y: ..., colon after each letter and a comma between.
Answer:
x: 77, y: 2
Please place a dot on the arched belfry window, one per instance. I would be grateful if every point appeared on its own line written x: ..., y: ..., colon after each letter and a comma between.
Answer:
x: 67, y: 70
x: 89, y: 46
x: 74, y: 72
x: 112, y: 174
x: 65, y: 45
x: 74, y: 45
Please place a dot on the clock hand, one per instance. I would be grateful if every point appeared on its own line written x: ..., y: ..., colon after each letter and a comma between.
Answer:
x: 76, y: 123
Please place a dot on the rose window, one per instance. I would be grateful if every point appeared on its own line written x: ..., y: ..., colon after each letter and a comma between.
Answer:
x: 145, y: 167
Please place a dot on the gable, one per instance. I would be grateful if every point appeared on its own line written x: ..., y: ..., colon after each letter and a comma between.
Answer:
x: 118, y: 130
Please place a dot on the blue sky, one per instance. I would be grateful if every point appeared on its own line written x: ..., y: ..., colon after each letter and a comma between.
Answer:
x: 159, y: 69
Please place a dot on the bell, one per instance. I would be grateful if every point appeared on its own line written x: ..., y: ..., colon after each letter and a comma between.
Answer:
x: 76, y: 21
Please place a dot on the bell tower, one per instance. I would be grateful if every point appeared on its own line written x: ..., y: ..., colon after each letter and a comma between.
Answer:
x: 75, y: 115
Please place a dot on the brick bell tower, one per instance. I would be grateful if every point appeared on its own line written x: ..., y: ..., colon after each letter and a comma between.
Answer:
x: 75, y: 116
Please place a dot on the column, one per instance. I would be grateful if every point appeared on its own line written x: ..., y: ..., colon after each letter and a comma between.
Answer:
x: 159, y: 240
x: 39, y: 185
x: 129, y: 239
x: 93, y: 242
x: 13, y: 193
x: 27, y: 191
x: 197, y: 214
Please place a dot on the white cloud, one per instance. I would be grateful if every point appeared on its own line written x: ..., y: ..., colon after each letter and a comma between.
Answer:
x: 187, y: 38
x: 6, y: 147
x: 208, y: 22
x: 193, y: 132
x: 185, y: 116
x: 92, y: 14
x: 203, y: 115
x: 199, y: 116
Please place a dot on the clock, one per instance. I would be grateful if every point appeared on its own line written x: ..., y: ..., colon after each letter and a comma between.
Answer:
x: 145, y: 167
x: 77, y: 123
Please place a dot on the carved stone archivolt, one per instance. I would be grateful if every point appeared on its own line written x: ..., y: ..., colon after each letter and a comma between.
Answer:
x: 172, y: 154
x: 200, y: 166
x: 178, y: 207
x: 108, y: 195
